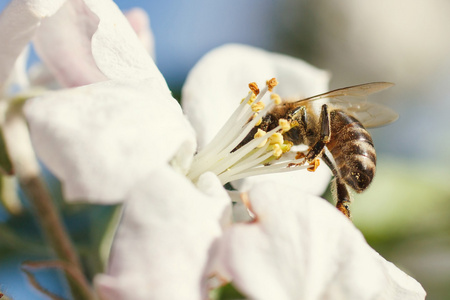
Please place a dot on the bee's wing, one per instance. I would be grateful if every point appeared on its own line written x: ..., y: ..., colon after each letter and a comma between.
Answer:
x: 353, y: 100
x: 372, y: 114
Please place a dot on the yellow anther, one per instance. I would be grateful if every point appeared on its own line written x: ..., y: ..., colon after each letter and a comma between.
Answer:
x: 276, y: 98
x: 252, y: 98
x: 277, y: 152
x: 285, y: 125
x: 271, y: 84
x: 259, y: 134
x: 286, y: 146
x: 255, y: 115
x: 314, y: 165
x: 254, y: 87
x: 276, y: 138
x: 257, y: 106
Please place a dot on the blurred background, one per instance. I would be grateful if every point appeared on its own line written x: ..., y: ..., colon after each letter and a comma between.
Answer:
x: 405, y: 215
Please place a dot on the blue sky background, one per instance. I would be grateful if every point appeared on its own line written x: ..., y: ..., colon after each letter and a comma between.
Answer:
x: 185, y: 30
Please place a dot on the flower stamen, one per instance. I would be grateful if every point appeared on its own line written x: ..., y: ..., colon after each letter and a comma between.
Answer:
x: 271, y: 83
x: 275, y: 98
x: 254, y: 88
x: 241, y: 148
x: 258, y: 134
x: 257, y: 107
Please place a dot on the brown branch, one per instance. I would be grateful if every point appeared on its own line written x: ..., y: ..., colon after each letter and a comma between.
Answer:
x: 68, y: 268
x: 28, y: 174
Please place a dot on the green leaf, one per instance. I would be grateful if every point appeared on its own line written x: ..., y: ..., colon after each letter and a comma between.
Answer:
x: 6, y: 167
x: 226, y: 292
x: 94, y: 238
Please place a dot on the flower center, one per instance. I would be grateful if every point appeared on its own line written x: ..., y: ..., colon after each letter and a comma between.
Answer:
x: 242, y: 149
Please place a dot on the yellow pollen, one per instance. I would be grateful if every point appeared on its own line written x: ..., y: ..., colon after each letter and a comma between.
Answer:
x: 250, y: 92
x: 257, y: 106
x: 277, y: 152
x: 259, y: 134
x: 286, y: 146
x: 254, y: 88
x: 276, y: 98
x: 276, y: 138
x: 294, y: 124
x: 252, y: 98
x: 271, y: 84
x: 300, y: 155
x: 259, y: 121
x: 285, y: 125
x: 314, y: 165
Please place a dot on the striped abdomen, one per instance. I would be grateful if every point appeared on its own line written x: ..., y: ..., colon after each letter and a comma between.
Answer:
x: 352, y: 149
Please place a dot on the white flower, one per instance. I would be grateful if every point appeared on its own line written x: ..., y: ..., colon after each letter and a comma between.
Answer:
x: 62, y: 32
x: 121, y: 113
x: 127, y: 140
x: 162, y: 247
x: 300, y: 247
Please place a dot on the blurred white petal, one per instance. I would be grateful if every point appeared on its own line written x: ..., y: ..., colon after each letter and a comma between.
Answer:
x: 300, y: 247
x: 102, y: 138
x: 162, y: 245
x: 63, y: 43
x: 18, y: 24
x: 140, y: 22
x: 42, y: 8
x: 17, y: 80
x: 116, y: 48
x: 90, y: 41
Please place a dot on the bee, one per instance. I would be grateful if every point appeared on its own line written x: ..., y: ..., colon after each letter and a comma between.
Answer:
x: 337, y: 134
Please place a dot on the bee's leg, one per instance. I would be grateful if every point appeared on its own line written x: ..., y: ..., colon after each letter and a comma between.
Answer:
x: 265, y: 123
x: 297, y: 133
x: 339, y: 189
x: 342, y: 196
x: 324, y: 138
x: 299, y: 115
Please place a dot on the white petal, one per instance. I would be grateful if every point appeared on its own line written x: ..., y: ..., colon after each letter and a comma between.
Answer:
x: 90, y: 41
x: 117, y: 50
x: 43, y: 8
x: 400, y: 285
x: 219, y: 81
x: 300, y: 247
x: 100, y: 139
x: 140, y: 22
x: 314, y: 183
x: 63, y: 43
x: 18, y: 24
x: 18, y: 79
x: 40, y: 75
x: 162, y: 246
